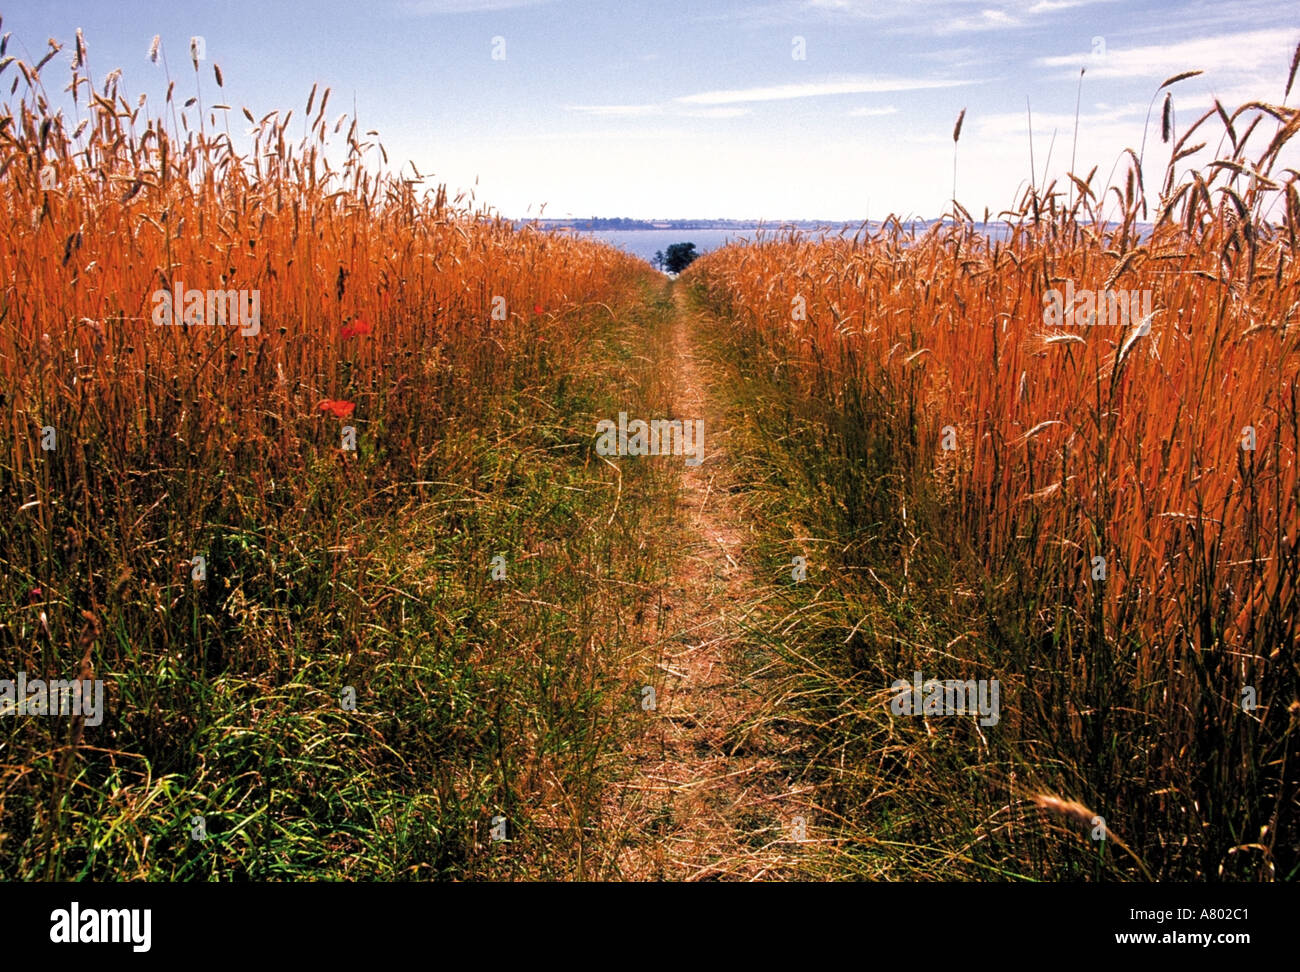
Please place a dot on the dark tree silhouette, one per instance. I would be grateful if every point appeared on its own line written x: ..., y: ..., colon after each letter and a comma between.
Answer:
x: 679, y: 257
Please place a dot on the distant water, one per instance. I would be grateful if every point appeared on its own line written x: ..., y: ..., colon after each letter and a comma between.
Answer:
x: 644, y: 243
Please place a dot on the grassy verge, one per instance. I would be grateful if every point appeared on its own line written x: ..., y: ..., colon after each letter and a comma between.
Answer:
x: 350, y: 692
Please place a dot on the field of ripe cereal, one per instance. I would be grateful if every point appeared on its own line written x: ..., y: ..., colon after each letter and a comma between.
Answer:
x: 353, y: 532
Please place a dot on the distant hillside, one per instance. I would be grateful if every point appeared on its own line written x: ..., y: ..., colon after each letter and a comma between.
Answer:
x: 617, y: 223
x: 597, y: 223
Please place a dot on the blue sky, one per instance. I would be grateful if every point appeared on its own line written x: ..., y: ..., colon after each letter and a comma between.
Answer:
x: 673, y: 109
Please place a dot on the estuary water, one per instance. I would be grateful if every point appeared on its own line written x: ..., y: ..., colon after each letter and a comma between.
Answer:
x: 644, y: 243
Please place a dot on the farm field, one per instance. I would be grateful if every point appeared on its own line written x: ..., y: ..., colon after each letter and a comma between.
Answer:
x: 352, y: 533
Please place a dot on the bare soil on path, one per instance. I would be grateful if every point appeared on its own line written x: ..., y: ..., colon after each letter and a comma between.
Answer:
x: 708, y: 798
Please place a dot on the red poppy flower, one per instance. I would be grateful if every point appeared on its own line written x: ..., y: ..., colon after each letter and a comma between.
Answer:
x: 338, y: 409
x: 537, y: 308
x: 357, y: 328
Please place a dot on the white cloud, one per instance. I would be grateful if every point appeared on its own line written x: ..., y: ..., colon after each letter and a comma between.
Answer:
x: 815, y: 89
x: 944, y: 17
x: 997, y: 18
x: 1051, y: 6
x: 1240, y: 53
x: 873, y: 112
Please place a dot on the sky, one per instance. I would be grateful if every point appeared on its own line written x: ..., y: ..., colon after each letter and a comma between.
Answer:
x: 809, y: 109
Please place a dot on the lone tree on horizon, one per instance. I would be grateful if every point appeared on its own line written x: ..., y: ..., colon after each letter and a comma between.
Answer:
x: 678, y: 258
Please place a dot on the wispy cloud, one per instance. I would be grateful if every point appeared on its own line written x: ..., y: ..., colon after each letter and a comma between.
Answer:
x: 1244, y: 52
x: 817, y: 89
x: 873, y: 112
x: 927, y: 19
x: 1052, y: 6
x: 990, y: 19
x: 941, y: 17
x: 946, y: 17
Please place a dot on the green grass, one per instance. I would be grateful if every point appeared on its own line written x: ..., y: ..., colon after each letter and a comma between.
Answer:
x: 473, y: 697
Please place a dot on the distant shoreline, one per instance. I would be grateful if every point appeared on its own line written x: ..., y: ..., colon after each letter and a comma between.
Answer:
x: 685, y: 225
x: 628, y: 225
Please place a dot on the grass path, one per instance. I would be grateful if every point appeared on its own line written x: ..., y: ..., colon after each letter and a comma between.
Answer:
x: 708, y: 798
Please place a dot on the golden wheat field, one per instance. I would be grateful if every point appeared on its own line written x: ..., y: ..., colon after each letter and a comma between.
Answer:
x: 355, y: 532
